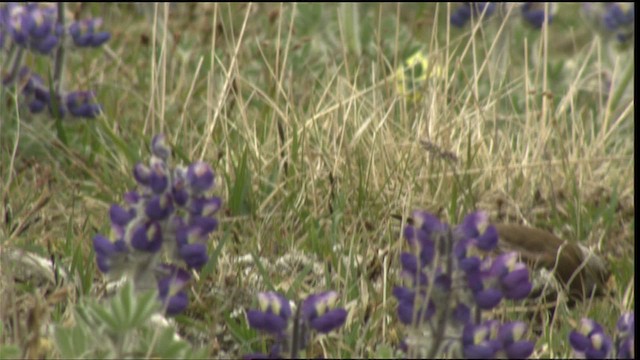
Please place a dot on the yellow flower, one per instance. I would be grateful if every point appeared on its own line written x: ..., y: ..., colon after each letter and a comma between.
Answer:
x: 411, y: 76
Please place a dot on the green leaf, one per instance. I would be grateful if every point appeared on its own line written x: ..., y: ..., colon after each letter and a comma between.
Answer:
x: 145, y: 306
x: 126, y: 303
x: 84, y: 316
x: 71, y: 343
x: 384, y: 351
x: 167, y: 347
x: 240, y: 191
x: 240, y: 330
x: 106, y: 317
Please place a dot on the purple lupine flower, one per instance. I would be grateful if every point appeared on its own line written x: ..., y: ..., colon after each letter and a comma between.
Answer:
x: 320, y: 311
x: 461, y: 313
x: 146, y: 237
x: 142, y: 174
x: 119, y: 216
x: 317, y: 311
x: 131, y: 198
x: 615, y: 19
x: 82, y: 104
x: 85, y: 33
x: 479, y: 280
x: 45, y: 33
x: 158, y: 176
x: 19, y: 23
x: 159, y: 207
x: 476, y: 229
x: 479, y: 341
x: 454, y: 278
x: 412, y: 308
x: 618, y: 15
x: 201, y: 227
x: 194, y: 255
x: 180, y: 193
x: 511, y: 338
x: 619, y: 18
x: 420, y: 241
x: 419, y: 236
x: 160, y: 148
x: 200, y: 176
x: 34, y: 91
x: 152, y: 224
x: 462, y: 14
x: 409, y: 264
x: 474, y: 224
x: 204, y: 206
x: 589, y: 340
x: 625, y: 336
x: 487, y: 299
x: 37, y: 28
x: 513, y: 276
x: 428, y: 222
x: 38, y: 97
x: 33, y: 26
x: 534, y: 13
x: 273, y: 313
x: 107, y: 251
x: 171, y: 289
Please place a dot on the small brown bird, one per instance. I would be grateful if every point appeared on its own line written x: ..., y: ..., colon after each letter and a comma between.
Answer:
x: 583, y: 273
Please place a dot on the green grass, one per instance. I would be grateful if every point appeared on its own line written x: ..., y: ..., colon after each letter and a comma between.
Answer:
x: 295, y: 108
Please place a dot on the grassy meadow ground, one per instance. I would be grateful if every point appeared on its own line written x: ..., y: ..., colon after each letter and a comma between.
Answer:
x: 296, y: 109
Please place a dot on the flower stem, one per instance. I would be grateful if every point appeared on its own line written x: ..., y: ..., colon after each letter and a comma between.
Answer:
x: 59, y: 60
x: 446, y: 246
x: 14, y: 60
x: 295, y: 341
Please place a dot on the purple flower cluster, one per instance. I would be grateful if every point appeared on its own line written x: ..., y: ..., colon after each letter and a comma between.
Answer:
x: 451, y: 279
x: 35, y: 26
x: 30, y: 26
x: 37, y: 97
x: 170, y: 215
x: 486, y: 340
x: 461, y: 15
x: 318, y: 312
x: 615, y: 18
x: 86, y: 33
x: 39, y: 28
x: 591, y: 342
x: 532, y: 13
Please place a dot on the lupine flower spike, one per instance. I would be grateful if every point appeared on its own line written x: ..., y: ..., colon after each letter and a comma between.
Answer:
x: 533, y: 14
x: 38, y: 28
x: 170, y: 214
x: 451, y: 280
